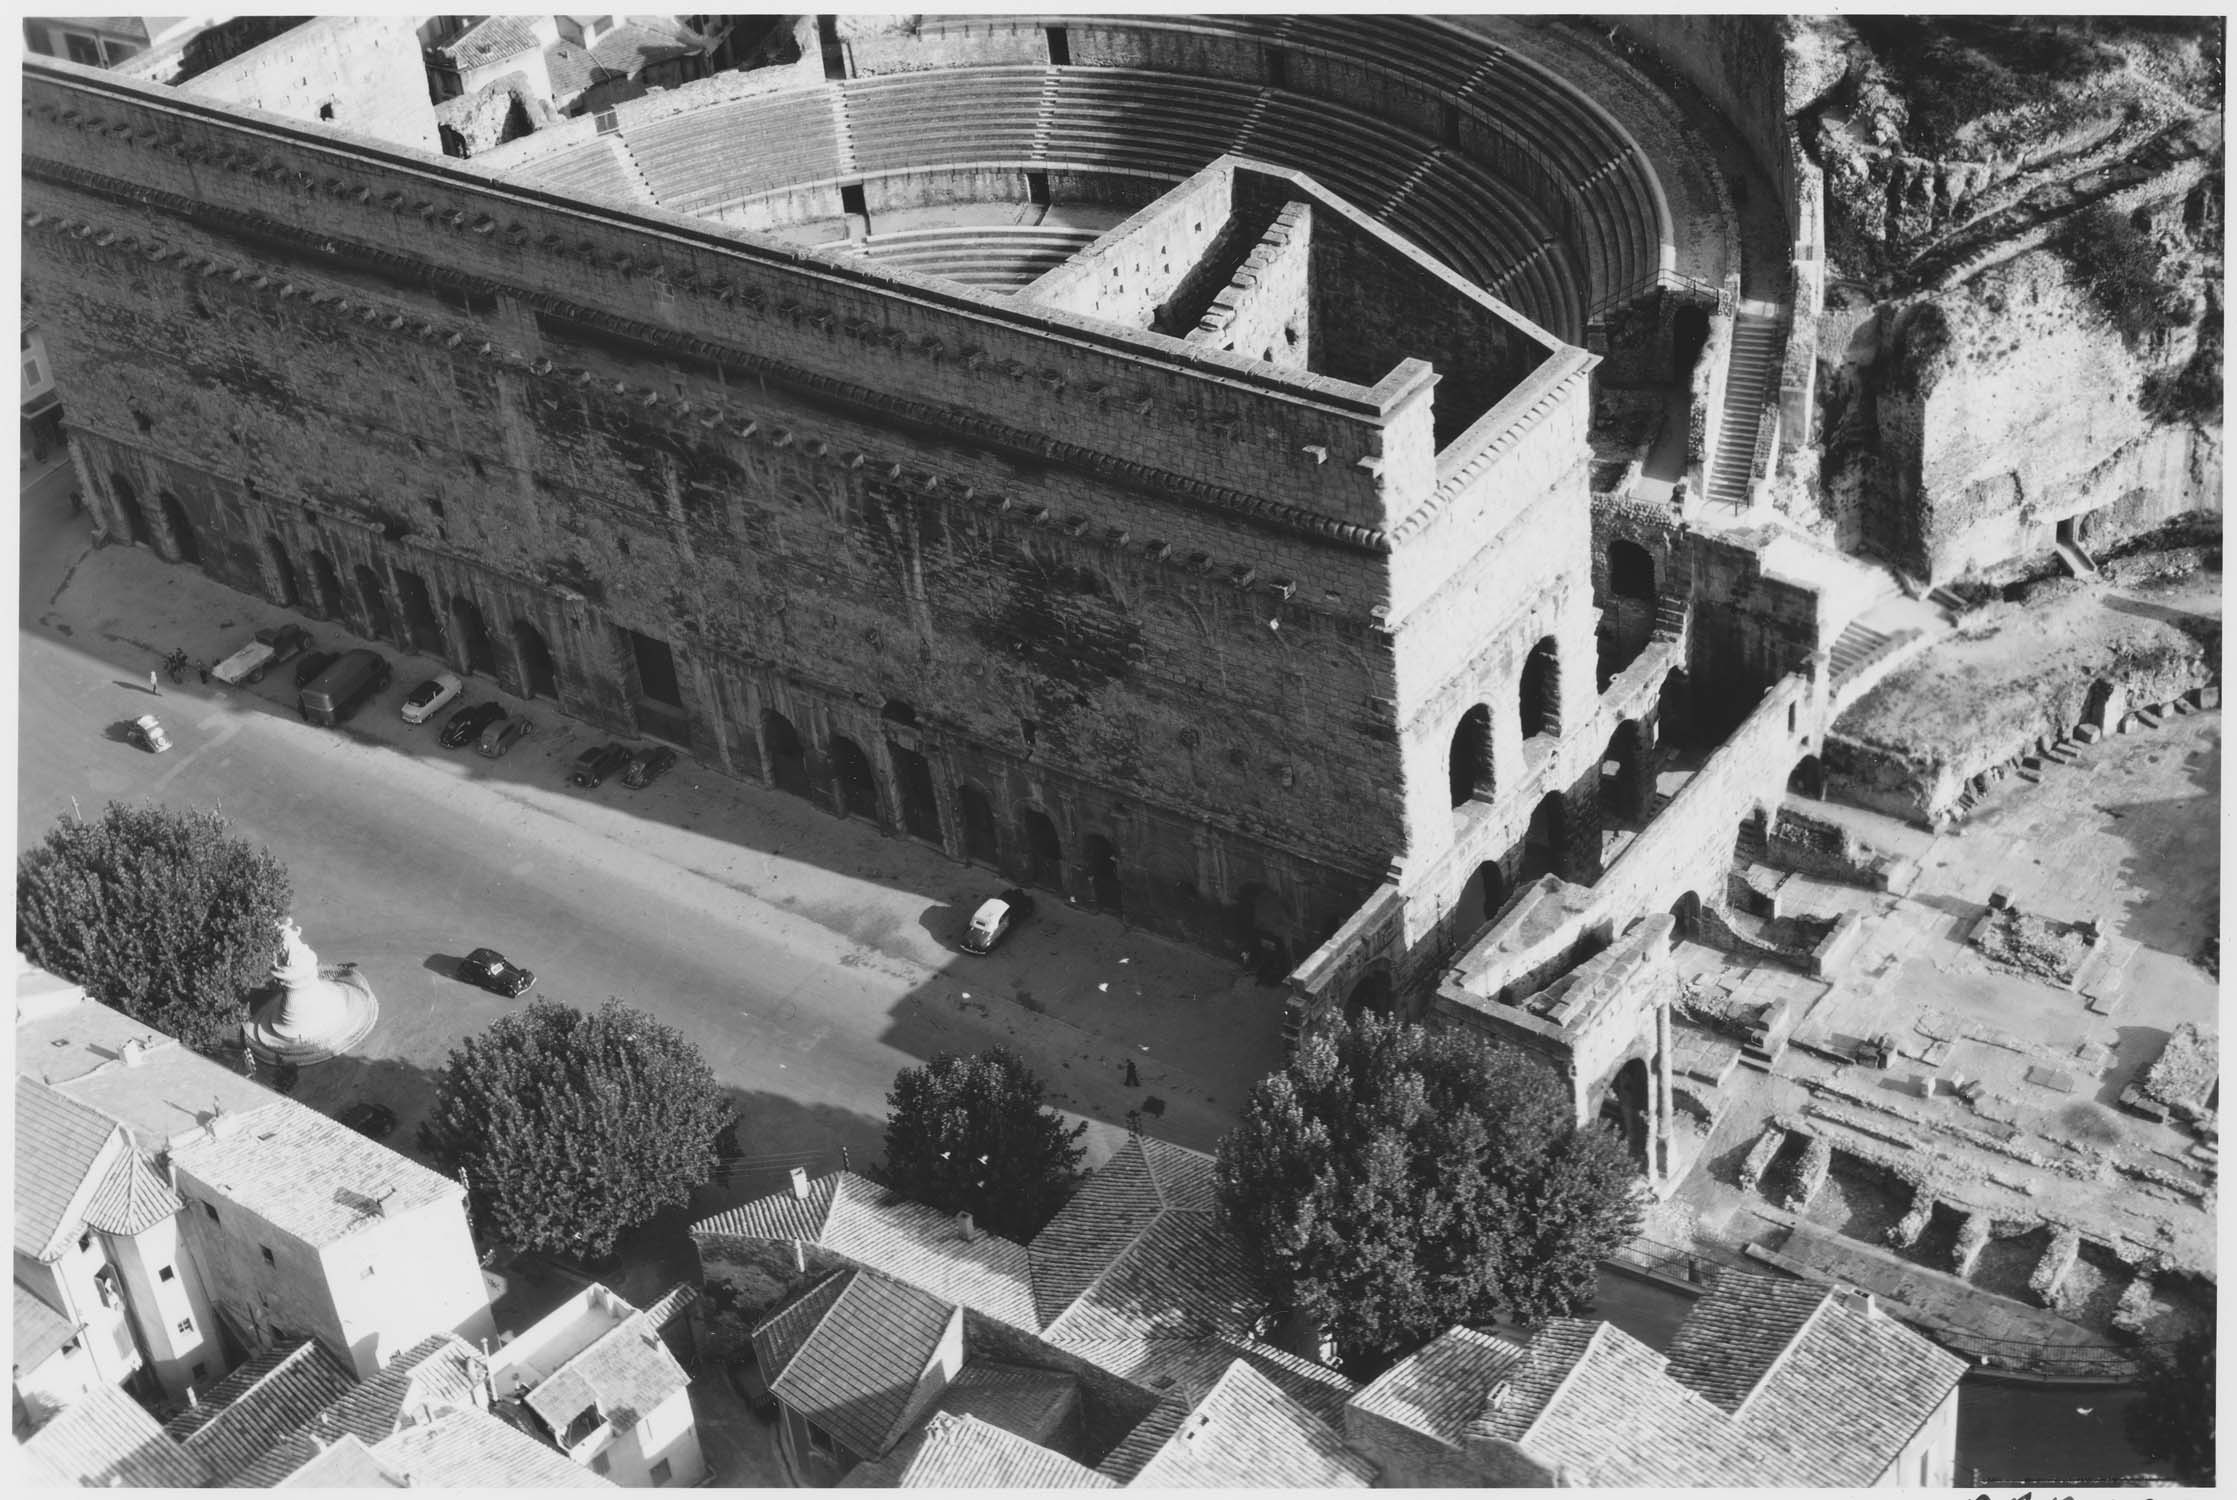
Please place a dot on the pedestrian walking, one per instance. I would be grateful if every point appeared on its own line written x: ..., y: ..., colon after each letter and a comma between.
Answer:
x: 1133, y: 1079
x: 202, y: 670
x: 151, y: 683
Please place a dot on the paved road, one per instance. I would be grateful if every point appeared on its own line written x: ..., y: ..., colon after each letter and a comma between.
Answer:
x: 808, y: 958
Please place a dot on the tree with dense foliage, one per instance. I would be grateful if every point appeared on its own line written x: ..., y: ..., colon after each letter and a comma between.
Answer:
x: 1394, y: 1181
x: 158, y: 913
x: 570, y: 1127
x: 2174, y: 1422
x: 976, y: 1134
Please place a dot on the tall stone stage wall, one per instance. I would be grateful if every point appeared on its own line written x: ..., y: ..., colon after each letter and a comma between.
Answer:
x: 489, y: 425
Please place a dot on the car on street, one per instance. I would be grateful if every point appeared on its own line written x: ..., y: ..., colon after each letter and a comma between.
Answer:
x: 995, y: 918
x: 425, y: 701
x: 648, y: 766
x: 490, y: 970
x: 501, y: 736
x: 310, y: 666
x: 267, y: 649
x: 597, y: 763
x: 148, y: 734
x: 467, y: 724
x: 287, y: 642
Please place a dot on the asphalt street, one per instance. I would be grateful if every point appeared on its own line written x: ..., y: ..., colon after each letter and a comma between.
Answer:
x: 808, y: 957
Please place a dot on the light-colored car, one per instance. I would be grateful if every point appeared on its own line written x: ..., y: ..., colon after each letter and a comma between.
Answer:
x: 431, y: 697
x: 995, y: 918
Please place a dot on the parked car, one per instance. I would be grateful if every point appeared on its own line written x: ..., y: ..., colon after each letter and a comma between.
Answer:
x: 270, y: 646
x: 597, y: 763
x: 995, y: 918
x: 425, y: 701
x: 648, y: 766
x: 310, y: 666
x: 468, y: 723
x: 287, y: 642
x: 503, y: 735
x: 489, y: 970
x: 343, y: 687
x: 148, y: 735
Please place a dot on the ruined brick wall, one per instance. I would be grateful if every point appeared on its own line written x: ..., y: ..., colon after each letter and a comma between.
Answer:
x: 486, y: 427
x: 1265, y: 310
x: 1634, y: 553
x: 1137, y: 267
x: 360, y: 73
x: 1750, y: 628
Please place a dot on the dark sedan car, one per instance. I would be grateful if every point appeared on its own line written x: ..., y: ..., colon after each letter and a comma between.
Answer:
x: 287, y: 643
x: 597, y: 763
x: 648, y: 766
x: 487, y: 968
x: 310, y: 666
x: 466, y: 726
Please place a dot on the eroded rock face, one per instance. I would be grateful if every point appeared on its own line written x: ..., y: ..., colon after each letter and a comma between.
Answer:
x: 1996, y: 410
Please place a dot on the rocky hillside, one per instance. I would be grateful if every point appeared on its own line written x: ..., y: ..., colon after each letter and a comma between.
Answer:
x: 2024, y: 251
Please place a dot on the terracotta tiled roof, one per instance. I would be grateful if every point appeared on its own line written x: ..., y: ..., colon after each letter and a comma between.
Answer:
x: 1247, y: 1433
x: 1735, y: 1334
x: 877, y: 1227
x: 1553, y: 1352
x: 492, y: 39
x: 625, y: 1372
x: 1440, y: 1389
x: 964, y: 1453
x: 309, y: 1176
x: 272, y: 1395
x: 1851, y: 1391
x: 39, y: 1331
x: 104, y: 1438
x: 346, y: 1464
x: 1016, y: 1398
x: 1616, y: 1419
x: 1142, y: 1444
x: 856, y: 1358
x: 1111, y: 1209
x: 468, y: 1448
x: 60, y: 1147
x: 665, y: 1308
x: 1182, y: 1276
x: 440, y: 1370
x: 130, y: 1198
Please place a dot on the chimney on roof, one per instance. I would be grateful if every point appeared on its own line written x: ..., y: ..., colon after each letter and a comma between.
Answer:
x: 1857, y: 1300
x: 1497, y: 1400
x: 799, y: 1182
x: 134, y: 1052
x: 964, y: 1228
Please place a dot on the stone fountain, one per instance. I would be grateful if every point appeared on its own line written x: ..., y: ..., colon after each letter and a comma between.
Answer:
x: 314, y: 1011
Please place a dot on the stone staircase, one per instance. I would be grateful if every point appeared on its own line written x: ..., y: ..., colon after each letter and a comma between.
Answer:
x: 1858, y: 647
x: 1750, y: 383
x: 1677, y: 594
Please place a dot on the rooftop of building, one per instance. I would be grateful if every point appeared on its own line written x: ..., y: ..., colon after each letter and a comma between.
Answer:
x: 492, y: 39
x: 850, y: 1355
x: 962, y: 1452
x: 467, y: 1448
x: 439, y: 1372
x: 622, y: 1375
x: 39, y: 1331
x: 62, y: 1149
x: 105, y: 1439
x: 124, y: 1069
x: 1246, y: 1433
x: 271, y: 1394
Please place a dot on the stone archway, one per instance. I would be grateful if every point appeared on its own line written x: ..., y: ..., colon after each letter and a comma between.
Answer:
x: 1540, y: 690
x: 788, y: 757
x: 372, y: 601
x: 1545, y: 847
x: 1685, y: 914
x: 538, y: 677
x: 1370, y: 996
x: 1807, y: 778
x: 1043, y: 852
x: 423, y: 630
x: 286, y: 592
x: 183, y: 539
x: 128, y: 503
x: 327, y: 585
x: 1627, y: 1107
x: 1689, y: 335
x: 1630, y: 570
x: 920, y: 804
x: 472, y: 636
x: 1100, y: 856
x: 981, y: 840
x: 1468, y: 763
x: 1624, y: 780
x: 1482, y: 897
x: 853, y: 779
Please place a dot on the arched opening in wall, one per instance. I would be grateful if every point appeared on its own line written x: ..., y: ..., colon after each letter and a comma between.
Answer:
x: 1468, y: 765
x: 1685, y: 914
x: 1673, y: 710
x: 981, y: 842
x: 920, y: 804
x: 1103, y: 873
x: 1541, y: 690
x: 538, y: 677
x: 898, y: 712
x: 1545, y: 845
x: 1624, y: 1108
x: 182, y: 530
x: 372, y: 603
x: 1630, y: 570
x: 128, y: 501
x: 472, y: 636
x: 788, y: 758
x: 326, y: 584
x: 285, y: 591
x: 1623, y: 796
x: 1808, y: 778
x: 1262, y: 926
x: 1044, y: 854
x: 854, y: 779
x: 1482, y: 898
x: 1689, y: 335
x: 1371, y: 996
x: 1748, y: 841
x: 422, y: 630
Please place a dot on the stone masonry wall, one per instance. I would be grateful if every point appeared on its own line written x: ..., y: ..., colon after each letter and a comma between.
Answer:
x: 362, y: 73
